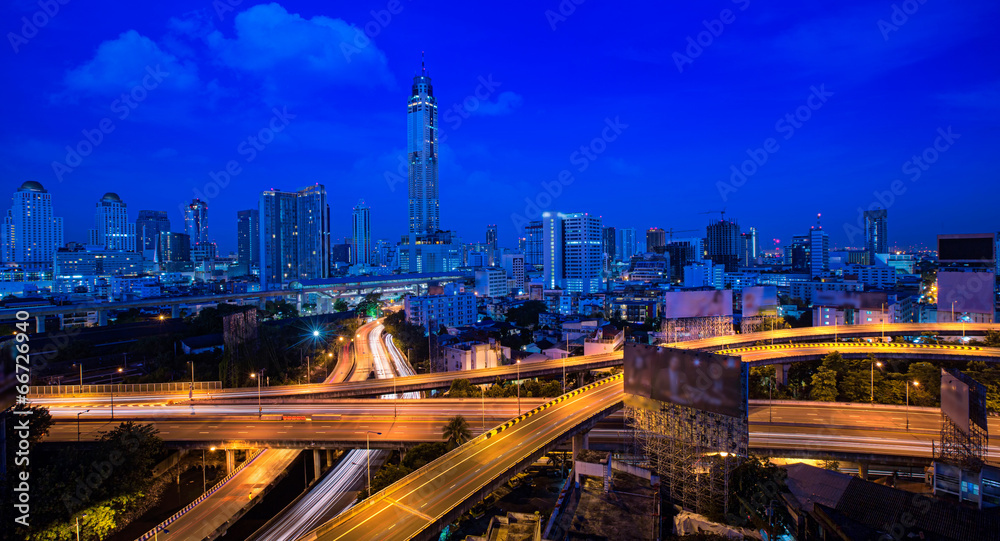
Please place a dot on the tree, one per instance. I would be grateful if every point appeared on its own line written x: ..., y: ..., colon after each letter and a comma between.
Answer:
x: 824, y: 385
x: 856, y: 385
x: 340, y: 305
x: 456, y: 431
x: 526, y: 315
x: 992, y: 339
x: 370, y: 305
x: 830, y: 464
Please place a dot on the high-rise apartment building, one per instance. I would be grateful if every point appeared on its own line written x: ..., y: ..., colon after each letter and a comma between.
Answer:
x: 749, y: 248
x: 514, y: 265
x: 294, y: 236
x: 491, y: 244
x: 31, y: 235
x: 683, y: 252
x: 655, y: 238
x: 173, y: 251
x: 196, y: 221
x: 248, y: 239
x: 608, y: 242
x: 571, y: 250
x: 148, y: 225
x: 533, y: 243
x: 876, y: 232
x: 361, y: 249
x: 819, y: 251
x: 723, y: 244
x: 422, y: 155
x: 112, y: 229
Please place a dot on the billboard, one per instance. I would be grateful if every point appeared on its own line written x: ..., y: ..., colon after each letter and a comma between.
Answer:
x: 859, y: 300
x: 695, y: 379
x: 963, y: 400
x: 980, y: 247
x: 969, y: 291
x: 678, y: 304
x: 758, y: 298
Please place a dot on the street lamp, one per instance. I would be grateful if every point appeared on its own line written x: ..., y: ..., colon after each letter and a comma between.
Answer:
x: 78, y: 526
x: 156, y: 532
x: 879, y: 364
x: 519, y: 387
x: 113, y: 394
x: 78, y: 424
x: 260, y: 411
x: 915, y: 384
x: 368, y: 449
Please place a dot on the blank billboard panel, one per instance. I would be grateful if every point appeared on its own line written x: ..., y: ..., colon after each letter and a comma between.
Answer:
x: 955, y: 400
x: 758, y: 298
x: 699, y: 380
x: 678, y: 304
x: 967, y: 248
x: 969, y: 291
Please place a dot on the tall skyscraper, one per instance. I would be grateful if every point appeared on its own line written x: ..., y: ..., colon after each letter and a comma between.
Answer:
x: 31, y: 235
x: 196, y: 221
x: 655, y: 238
x: 491, y: 244
x: 876, y: 233
x: 572, y: 253
x: 626, y: 244
x: 361, y: 250
x: 248, y: 239
x: 148, y: 225
x: 819, y: 250
x: 723, y: 244
x: 422, y: 155
x: 533, y: 243
x: 112, y: 229
x: 294, y: 236
x: 608, y: 246
x: 173, y: 252
x: 748, y: 248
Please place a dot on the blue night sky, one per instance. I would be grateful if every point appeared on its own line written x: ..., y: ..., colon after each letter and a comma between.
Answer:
x: 517, y: 101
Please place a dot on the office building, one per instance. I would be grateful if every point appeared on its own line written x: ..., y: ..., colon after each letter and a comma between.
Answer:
x: 513, y: 264
x: 383, y: 253
x: 571, y: 250
x: 533, y: 244
x: 31, y: 234
x: 452, y: 308
x: 196, y: 221
x: 608, y: 244
x: 248, y: 240
x: 876, y: 233
x: 626, y: 244
x: 819, y: 251
x: 491, y: 282
x: 173, y: 251
x: 491, y: 244
x: 77, y: 264
x: 655, y: 238
x: 148, y: 225
x: 422, y: 152
x: 681, y: 253
x: 112, y: 229
x: 294, y: 236
x: 704, y: 274
x: 723, y: 244
x: 797, y: 253
x: 361, y: 229
x: 440, y: 251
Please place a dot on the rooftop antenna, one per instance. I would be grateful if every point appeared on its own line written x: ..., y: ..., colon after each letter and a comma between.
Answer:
x: 423, y: 69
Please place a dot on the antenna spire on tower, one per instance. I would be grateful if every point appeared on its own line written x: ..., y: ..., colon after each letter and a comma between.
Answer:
x: 423, y: 69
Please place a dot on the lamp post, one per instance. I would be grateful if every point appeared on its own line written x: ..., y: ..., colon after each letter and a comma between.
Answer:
x: 260, y: 410
x: 78, y: 527
x: 368, y: 448
x: 873, y: 378
x: 915, y: 384
x: 883, y: 321
x: 156, y: 532
x: 78, y: 424
x: 483, y: 389
x: 113, y: 394
x: 519, y: 387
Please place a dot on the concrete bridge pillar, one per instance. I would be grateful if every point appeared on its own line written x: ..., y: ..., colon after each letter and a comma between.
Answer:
x: 230, y: 460
x: 580, y: 442
x: 102, y: 318
x: 863, y: 471
x: 329, y: 458
x: 39, y: 324
x: 298, y: 302
x: 175, y: 311
x: 781, y: 374
x: 316, y: 467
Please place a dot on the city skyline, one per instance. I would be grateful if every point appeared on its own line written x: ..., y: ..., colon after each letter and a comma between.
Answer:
x: 859, y: 148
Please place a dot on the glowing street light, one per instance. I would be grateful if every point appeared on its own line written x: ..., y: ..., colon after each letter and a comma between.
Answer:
x: 915, y: 384
x: 874, y: 364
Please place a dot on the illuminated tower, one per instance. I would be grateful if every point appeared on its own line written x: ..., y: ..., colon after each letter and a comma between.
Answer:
x: 422, y: 155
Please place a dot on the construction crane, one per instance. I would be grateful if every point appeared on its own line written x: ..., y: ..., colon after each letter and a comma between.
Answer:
x: 672, y: 231
x: 722, y: 212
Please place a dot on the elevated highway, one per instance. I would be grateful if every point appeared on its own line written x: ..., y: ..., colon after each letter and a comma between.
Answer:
x: 781, y: 353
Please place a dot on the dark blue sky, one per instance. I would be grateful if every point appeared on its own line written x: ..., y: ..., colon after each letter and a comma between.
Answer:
x: 887, y: 89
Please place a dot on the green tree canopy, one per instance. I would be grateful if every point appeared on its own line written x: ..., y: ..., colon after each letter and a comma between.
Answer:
x: 456, y: 431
